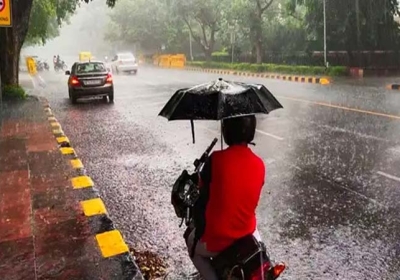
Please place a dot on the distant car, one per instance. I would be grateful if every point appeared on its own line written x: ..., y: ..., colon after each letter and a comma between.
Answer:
x: 124, y: 62
x: 90, y: 79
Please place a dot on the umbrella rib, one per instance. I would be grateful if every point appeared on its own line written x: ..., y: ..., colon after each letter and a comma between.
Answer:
x: 259, y: 100
x: 218, y: 105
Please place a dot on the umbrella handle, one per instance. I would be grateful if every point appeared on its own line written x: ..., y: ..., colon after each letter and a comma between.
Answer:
x: 192, y: 126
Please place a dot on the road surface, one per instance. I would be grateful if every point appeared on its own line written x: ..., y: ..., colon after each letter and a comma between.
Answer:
x: 330, y: 204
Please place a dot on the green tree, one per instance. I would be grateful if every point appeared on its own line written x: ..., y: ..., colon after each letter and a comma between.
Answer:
x: 353, y: 26
x: 12, y: 39
x: 251, y: 16
x: 143, y: 22
x: 43, y: 23
x: 203, y: 18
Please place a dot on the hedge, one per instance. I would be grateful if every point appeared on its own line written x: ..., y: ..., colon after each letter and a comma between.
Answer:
x: 273, y: 68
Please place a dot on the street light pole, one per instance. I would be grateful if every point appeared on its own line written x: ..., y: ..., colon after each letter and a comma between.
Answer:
x: 233, y: 45
x: 190, y: 44
x: 325, y: 54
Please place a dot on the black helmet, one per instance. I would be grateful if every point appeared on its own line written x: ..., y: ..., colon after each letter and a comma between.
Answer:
x: 239, y: 130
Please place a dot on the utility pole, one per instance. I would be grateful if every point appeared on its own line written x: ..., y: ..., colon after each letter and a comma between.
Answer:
x: 190, y: 45
x: 325, y: 48
x: 358, y: 32
x: 233, y: 45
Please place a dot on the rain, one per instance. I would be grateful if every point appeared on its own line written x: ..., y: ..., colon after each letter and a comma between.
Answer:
x: 329, y: 208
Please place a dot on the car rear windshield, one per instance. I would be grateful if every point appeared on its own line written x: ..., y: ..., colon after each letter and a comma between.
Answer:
x: 126, y: 56
x: 90, y: 67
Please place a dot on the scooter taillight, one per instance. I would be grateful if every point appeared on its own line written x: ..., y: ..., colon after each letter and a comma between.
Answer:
x: 277, y: 270
x: 268, y: 272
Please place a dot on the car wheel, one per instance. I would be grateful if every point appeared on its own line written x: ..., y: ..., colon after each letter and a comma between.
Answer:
x: 111, y: 96
x: 134, y: 72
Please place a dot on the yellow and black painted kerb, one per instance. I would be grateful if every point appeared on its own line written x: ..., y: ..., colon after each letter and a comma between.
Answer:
x: 109, y: 240
x: 393, y: 87
x: 290, y: 78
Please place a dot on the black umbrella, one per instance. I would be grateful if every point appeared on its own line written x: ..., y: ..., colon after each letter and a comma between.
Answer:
x: 219, y: 100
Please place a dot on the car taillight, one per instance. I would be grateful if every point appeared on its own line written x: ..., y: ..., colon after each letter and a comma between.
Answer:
x: 109, y: 78
x: 74, y: 81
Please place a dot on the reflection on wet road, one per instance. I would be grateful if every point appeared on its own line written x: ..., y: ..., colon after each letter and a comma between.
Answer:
x: 331, y: 200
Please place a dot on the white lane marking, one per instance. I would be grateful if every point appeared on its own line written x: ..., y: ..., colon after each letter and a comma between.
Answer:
x: 259, y: 131
x: 394, y: 150
x: 210, y: 130
x: 389, y: 176
x: 152, y: 95
x: 270, y: 135
x: 152, y: 103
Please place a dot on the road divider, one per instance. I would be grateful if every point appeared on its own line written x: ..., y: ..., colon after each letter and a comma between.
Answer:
x: 179, y: 61
x: 289, y: 78
x: 170, y: 60
x: 110, y: 242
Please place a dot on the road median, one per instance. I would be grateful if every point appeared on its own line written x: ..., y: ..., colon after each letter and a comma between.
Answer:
x: 289, y: 78
x: 51, y: 216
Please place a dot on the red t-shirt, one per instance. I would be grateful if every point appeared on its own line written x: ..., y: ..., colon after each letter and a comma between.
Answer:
x: 237, y: 177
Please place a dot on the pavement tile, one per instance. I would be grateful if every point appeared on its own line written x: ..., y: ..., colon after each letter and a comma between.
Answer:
x: 53, y: 215
x: 13, y: 154
x: 14, y: 128
x: 15, y: 205
x: 50, y: 167
x: 42, y: 183
x: 68, y: 259
x: 14, y: 180
x: 49, y: 198
x: 48, y: 230
x: 13, y: 228
x: 17, y: 259
x: 39, y: 141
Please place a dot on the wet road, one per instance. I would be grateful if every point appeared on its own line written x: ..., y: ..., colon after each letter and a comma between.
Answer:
x: 330, y: 205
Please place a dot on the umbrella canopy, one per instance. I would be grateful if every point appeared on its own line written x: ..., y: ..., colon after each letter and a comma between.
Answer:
x: 218, y: 100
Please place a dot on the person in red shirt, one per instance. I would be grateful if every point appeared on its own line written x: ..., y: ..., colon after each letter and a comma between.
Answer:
x: 230, y: 188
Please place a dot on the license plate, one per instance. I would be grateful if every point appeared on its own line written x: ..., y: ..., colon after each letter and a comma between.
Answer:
x: 92, y: 83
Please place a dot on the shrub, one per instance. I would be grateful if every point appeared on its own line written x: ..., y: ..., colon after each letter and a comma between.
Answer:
x: 13, y: 92
x: 273, y: 68
x: 338, y: 71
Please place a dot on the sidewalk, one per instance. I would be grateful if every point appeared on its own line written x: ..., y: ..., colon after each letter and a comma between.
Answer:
x: 53, y: 225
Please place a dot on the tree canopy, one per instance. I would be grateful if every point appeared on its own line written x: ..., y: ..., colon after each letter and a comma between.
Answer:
x: 257, y: 28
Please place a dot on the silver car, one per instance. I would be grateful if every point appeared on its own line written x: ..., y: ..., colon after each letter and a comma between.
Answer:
x: 124, y: 62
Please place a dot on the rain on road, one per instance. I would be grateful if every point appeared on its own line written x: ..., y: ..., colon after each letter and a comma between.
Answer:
x: 330, y: 204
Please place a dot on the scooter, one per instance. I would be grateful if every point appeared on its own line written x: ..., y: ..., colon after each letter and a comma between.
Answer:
x: 60, y: 66
x: 42, y: 65
x: 247, y: 258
